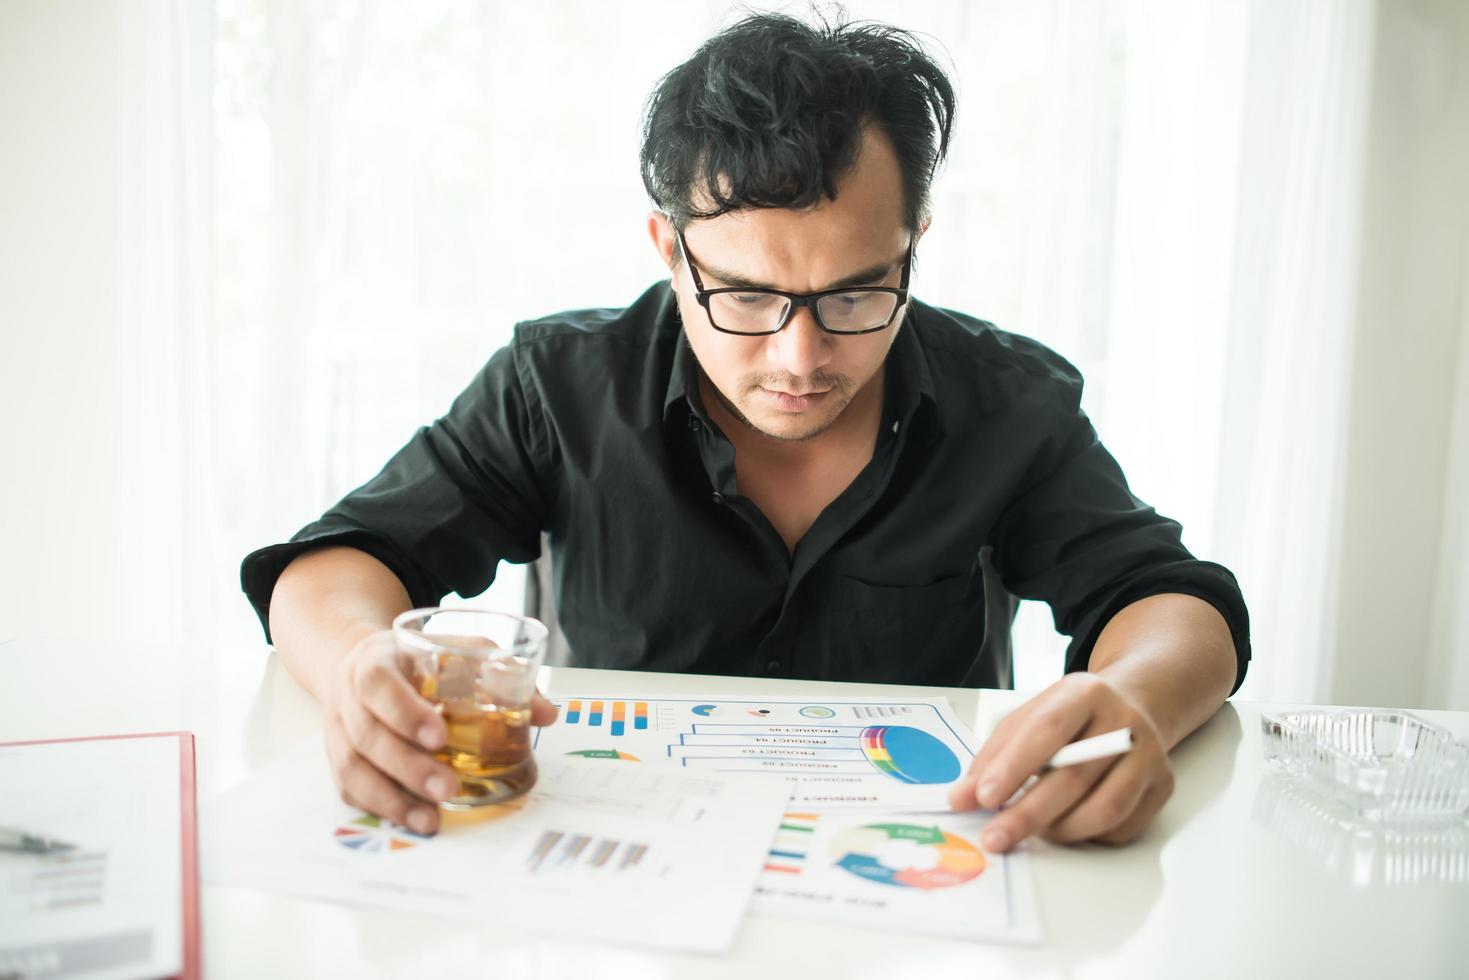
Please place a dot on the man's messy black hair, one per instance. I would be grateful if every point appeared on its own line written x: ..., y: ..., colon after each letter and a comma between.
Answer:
x: 769, y: 114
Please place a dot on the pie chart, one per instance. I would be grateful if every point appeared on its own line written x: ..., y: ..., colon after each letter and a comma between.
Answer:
x: 909, y: 755
x: 907, y: 855
x: 368, y: 834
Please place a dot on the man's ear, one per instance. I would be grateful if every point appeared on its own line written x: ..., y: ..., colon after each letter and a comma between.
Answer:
x: 660, y: 230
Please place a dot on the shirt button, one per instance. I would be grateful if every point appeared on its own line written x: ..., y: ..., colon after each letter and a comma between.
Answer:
x: 895, y: 426
x: 717, y: 497
x: 772, y: 665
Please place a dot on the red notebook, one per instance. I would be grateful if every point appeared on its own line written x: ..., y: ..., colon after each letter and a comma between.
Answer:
x: 124, y: 896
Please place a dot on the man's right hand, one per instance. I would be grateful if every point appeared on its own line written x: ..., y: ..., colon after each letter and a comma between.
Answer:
x: 381, y: 735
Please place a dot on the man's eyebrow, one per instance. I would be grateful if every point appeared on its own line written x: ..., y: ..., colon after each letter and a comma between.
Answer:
x: 861, y: 277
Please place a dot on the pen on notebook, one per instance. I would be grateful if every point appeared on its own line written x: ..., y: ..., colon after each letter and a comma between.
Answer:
x: 13, y: 839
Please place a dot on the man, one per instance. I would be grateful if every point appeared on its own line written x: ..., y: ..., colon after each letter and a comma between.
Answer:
x: 779, y: 463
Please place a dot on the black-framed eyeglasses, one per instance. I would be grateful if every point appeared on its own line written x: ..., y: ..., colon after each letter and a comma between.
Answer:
x: 846, y: 310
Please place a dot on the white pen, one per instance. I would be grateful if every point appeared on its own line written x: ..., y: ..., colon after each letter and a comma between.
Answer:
x: 1087, y: 750
x: 1096, y: 747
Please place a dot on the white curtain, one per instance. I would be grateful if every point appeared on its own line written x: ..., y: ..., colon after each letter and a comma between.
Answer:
x: 318, y: 219
x: 1170, y: 195
x: 398, y: 185
x: 1234, y: 288
x: 108, y: 504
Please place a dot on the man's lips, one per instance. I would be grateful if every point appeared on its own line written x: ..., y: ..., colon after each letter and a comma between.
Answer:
x: 795, y: 403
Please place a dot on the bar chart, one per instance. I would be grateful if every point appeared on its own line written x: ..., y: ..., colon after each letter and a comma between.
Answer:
x: 563, y: 851
x: 615, y: 714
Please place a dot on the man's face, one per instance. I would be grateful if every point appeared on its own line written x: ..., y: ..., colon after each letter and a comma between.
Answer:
x: 795, y: 384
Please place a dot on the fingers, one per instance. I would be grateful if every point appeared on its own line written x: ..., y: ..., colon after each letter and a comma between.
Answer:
x: 401, y: 761
x: 542, y: 712
x: 1111, y: 801
x: 362, y: 785
x: 1052, y: 795
x: 1023, y: 746
x: 1157, y: 795
x: 378, y: 728
x: 1003, y: 731
x: 963, y: 795
x: 379, y: 682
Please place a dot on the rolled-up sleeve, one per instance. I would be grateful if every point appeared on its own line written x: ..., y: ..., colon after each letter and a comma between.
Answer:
x: 1078, y: 539
x: 464, y: 494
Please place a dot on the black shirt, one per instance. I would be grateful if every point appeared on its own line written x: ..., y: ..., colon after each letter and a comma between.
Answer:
x: 987, y: 482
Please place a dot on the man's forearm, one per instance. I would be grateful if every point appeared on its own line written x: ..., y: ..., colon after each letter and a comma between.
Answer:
x: 1174, y: 656
x: 324, y: 603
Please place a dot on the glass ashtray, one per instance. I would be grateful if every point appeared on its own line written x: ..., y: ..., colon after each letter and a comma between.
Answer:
x: 1381, y: 765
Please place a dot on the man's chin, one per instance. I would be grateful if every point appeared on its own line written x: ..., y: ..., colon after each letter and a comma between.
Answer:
x: 788, y: 427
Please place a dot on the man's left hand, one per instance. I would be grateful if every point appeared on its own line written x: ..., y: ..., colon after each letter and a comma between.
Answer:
x: 1107, y: 800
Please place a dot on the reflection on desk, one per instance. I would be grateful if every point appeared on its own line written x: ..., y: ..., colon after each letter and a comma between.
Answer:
x: 1361, y: 851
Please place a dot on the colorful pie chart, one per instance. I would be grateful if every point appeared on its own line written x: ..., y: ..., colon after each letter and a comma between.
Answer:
x: 368, y: 834
x: 909, y: 755
x: 907, y: 855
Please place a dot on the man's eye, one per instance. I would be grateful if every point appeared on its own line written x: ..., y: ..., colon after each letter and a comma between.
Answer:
x: 847, y: 302
x: 751, y: 299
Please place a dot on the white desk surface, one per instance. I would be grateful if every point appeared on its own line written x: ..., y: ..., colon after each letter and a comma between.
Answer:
x: 1228, y: 881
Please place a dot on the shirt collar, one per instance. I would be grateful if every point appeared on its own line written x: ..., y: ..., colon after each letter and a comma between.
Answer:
x: 676, y: 401
x: 911, y: 396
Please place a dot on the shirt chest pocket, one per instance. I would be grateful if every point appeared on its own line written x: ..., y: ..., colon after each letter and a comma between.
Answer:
x: 906, y: 634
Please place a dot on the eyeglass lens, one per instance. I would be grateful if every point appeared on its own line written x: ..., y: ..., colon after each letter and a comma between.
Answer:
x: 764, y: 312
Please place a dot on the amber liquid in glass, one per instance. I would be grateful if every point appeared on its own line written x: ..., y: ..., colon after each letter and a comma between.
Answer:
x: 488, y: 749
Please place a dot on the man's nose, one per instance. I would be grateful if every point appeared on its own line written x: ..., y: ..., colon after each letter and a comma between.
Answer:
x: 802, y: 348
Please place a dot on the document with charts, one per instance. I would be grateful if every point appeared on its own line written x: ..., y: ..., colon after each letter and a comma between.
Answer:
x: 896, y: 755
x: 868, y: 838
x: 922, y: 873
x: 624, y: 854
